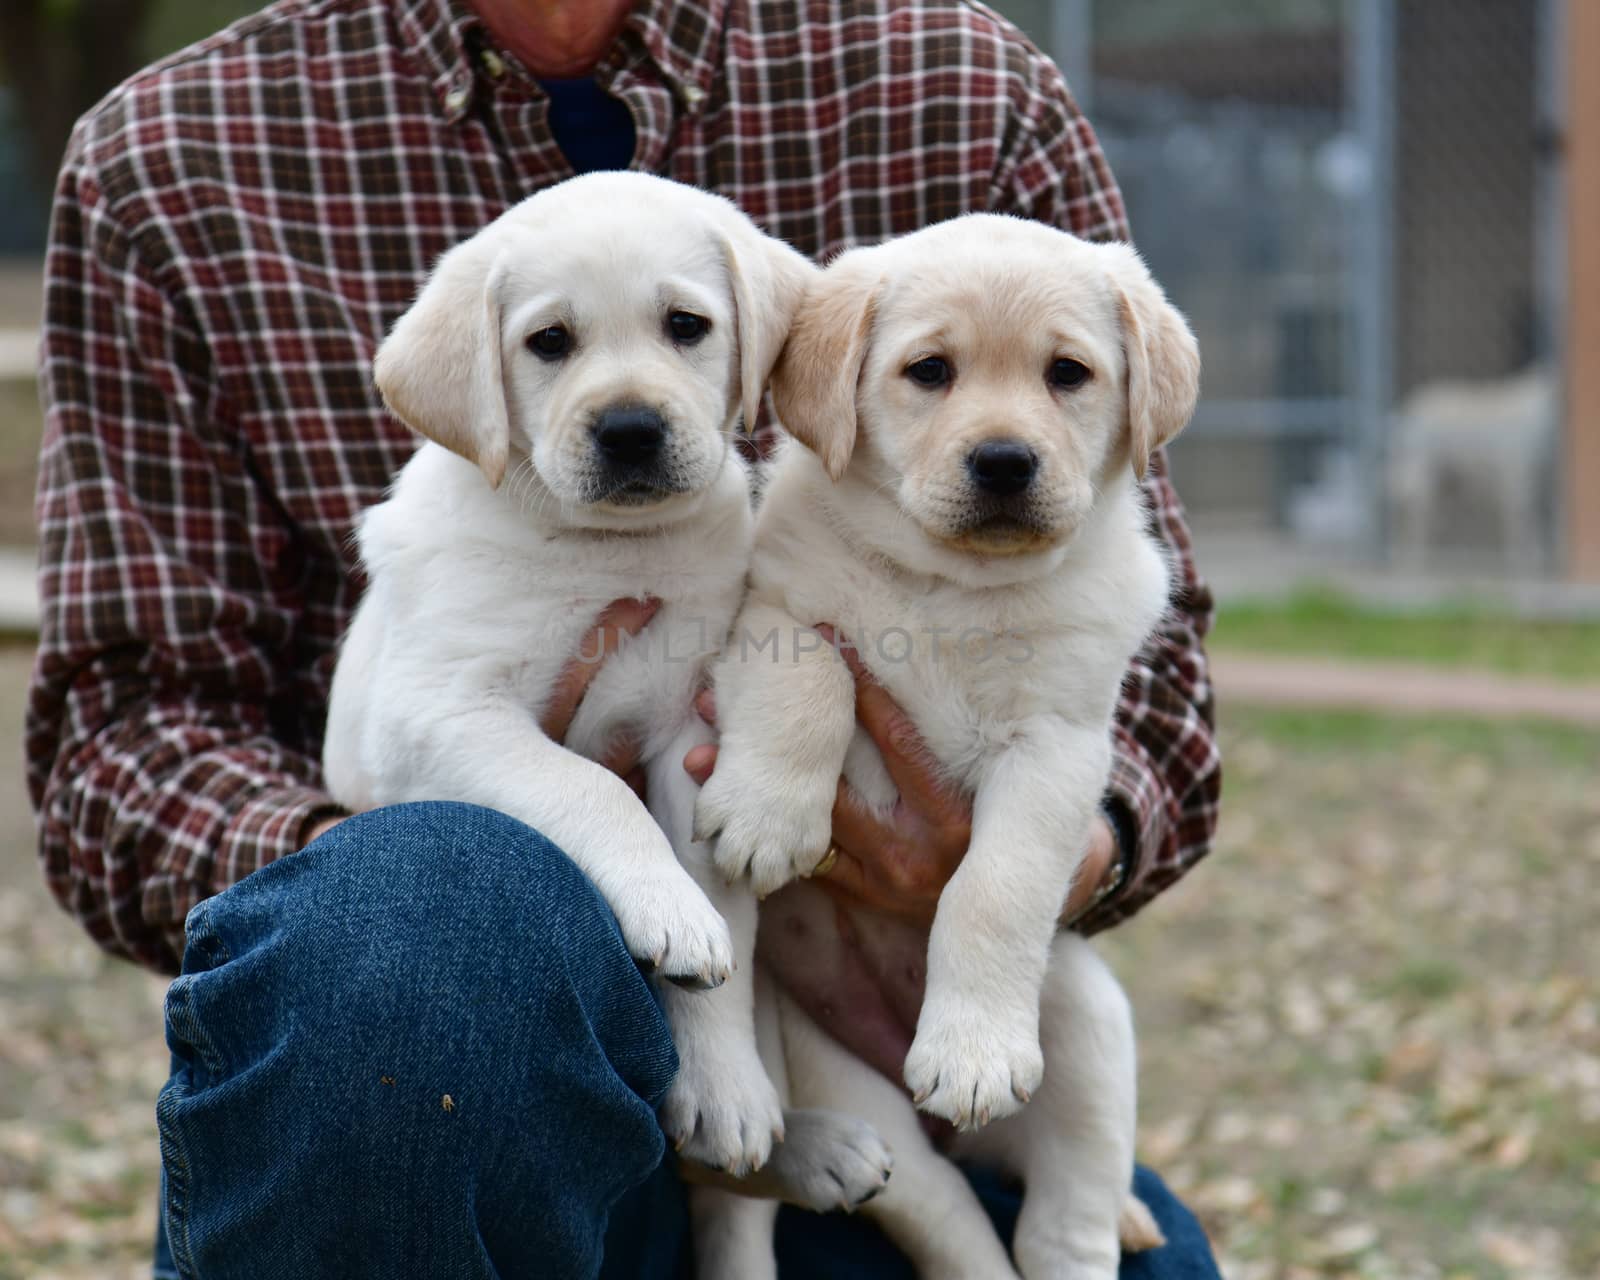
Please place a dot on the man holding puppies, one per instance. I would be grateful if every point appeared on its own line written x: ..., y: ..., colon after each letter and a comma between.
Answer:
x: 235, y: 230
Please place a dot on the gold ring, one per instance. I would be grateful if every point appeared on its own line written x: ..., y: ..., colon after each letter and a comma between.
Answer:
x: 828, y: 859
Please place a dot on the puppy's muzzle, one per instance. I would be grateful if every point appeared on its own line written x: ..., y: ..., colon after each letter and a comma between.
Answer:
x: 630, y: 445
x: 629, y: 438
x: 1003, y: 513
x: 1002, y: 468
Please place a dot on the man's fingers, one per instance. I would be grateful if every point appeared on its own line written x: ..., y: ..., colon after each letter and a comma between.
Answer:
x: 705, y: 705
x: 1097, y: 860
x: 904, y: 753
x: 847, y: 883
x: 878, y: 877
x: 699, y: 762
x: 901, y: 746
x: 620, y: 618
x: 855, y: 826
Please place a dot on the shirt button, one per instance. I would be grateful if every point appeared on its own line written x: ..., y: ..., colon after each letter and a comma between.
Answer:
x: 493, y: 64
x: 693, y: 96
x: 457, y: 98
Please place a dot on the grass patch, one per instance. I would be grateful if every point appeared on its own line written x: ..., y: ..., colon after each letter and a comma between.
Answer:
x: 1423, y: 978
x: 1325, y: 623
x: 1315, y: 732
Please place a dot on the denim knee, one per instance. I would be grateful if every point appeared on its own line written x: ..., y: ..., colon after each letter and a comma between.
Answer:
x: 421, y: 1037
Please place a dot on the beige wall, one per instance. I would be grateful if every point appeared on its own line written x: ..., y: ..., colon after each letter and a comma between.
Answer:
x: 1583, y: 275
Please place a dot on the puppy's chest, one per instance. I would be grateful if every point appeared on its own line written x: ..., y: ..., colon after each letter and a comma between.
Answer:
x: 969, y: 668
x: 970, y: 689
x: 643, y: 687
x: 532, y: 612
x: 964, y: 670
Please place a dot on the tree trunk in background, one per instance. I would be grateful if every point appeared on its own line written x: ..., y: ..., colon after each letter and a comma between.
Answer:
x: 61, y: 57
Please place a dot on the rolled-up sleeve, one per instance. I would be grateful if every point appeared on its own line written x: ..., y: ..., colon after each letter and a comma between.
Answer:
x: 1166, y: 772
x: 155, y: 762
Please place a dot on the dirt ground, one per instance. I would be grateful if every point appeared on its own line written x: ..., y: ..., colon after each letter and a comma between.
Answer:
x: 1370, y: 1025
x: 81, y: 1060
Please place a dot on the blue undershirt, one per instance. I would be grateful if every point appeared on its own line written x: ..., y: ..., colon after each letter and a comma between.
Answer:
x: 593, y: 129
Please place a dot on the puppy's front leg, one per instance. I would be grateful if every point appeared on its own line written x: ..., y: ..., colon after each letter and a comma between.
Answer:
x: 722, y: 1109
x: 976, y: 1054
x: 786, y: 710
x: 495, y: 755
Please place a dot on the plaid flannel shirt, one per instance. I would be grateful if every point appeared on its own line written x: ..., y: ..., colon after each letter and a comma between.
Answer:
x: 236, y: 228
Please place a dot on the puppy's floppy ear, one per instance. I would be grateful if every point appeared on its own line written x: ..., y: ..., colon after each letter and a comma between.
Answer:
x: 439, y: 370
x: 768, y: 279
x: 1163, y: 361
x: 814, y: 385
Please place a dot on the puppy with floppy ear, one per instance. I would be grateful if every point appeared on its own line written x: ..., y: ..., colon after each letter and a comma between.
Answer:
x: 766, y: 294
x: 974, y: 405
x: 814, y: 385
x: 1163, y: 360
x: 577, y: 367
x: 439, y: 370
x: 443, y: 369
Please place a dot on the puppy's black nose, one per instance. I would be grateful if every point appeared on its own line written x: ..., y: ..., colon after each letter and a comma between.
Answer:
x: 629, y: 436
x: 1002, y: 467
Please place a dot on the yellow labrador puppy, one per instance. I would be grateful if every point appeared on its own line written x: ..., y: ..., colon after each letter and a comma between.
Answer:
x: 578, y: 369
x: 976, y: 402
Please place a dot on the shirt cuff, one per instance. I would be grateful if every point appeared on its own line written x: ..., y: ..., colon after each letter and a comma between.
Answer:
x: 1135, y: 807
x: 269, y: 825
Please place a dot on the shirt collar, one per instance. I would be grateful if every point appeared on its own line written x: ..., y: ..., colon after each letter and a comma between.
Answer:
x: 681, y: 38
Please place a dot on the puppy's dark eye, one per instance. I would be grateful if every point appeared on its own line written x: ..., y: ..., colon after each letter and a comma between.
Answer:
x: 551, y: 343
x: 930, y: 371
x: 1066, y: 373
x: 686, y: 327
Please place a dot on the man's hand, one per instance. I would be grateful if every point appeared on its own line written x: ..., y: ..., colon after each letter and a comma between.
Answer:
x: 900, y: 864
x: 626, y: 617
x: 320, y: 828
x: 620, y: 618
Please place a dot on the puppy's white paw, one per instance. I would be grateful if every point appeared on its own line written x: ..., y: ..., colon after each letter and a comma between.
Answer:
x: 723, y: 1115
x: 1137, y: 1229
x: 970, y: 1065
x: 1067, y: 1263
x: 828, y: 1160
x: 671, y: 928
x: 766, y: 823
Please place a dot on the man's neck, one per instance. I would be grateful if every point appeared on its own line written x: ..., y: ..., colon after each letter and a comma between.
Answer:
x: 555, y: 39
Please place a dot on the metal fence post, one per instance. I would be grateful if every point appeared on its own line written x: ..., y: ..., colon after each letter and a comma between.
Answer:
x: 1072, y: 47
x: 1370, y: 102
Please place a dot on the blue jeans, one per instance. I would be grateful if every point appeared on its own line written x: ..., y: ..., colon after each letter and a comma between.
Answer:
x: 419, y: 1048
